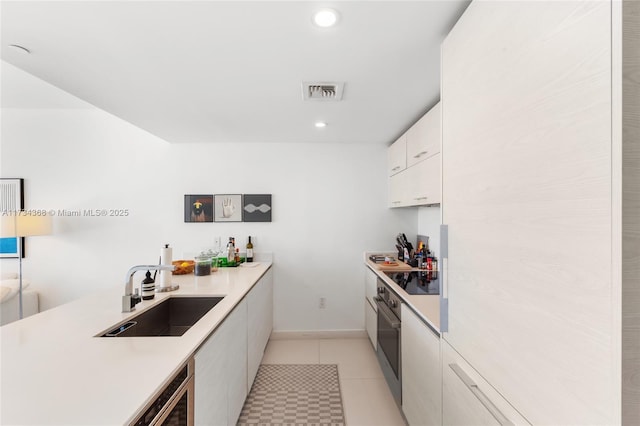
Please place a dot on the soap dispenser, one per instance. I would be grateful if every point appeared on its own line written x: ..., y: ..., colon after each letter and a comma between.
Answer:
x: 148, y: 287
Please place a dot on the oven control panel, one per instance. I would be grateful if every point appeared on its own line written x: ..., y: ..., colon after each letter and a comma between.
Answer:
x: 386, y: 295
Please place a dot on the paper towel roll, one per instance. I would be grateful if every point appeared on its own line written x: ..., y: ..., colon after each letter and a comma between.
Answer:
x: 166, y: 256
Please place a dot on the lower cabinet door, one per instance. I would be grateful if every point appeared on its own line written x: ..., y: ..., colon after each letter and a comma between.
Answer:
x: 371, y: 323
x: 220, y: 376
x: 421, y: 372
x: 370, y: 283
x: 467, y: 399
x: 237, y: 361
x: 211, y: 398
x: 260, y: 323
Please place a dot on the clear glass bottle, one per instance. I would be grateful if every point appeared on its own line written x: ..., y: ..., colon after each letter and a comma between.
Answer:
x: 231, y: 252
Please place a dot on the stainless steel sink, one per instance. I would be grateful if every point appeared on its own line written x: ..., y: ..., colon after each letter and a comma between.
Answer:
x: 171, y: 317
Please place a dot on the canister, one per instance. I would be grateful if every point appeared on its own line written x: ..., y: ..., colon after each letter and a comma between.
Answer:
x: 203, y: 265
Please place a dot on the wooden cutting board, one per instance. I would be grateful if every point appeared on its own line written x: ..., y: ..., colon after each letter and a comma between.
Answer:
x: 393, y: 266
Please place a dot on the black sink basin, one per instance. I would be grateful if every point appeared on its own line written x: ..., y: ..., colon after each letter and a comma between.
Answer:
x: 171, y: 317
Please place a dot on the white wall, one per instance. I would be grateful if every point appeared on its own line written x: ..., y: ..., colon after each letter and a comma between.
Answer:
x: 329, y: 206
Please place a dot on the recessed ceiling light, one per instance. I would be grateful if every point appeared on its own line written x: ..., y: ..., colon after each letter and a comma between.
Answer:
x: 320, y: 124
x: 19, y: 49
x: 325, y: 18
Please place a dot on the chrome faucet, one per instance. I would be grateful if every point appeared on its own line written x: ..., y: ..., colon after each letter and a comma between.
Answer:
x: 128, y: 303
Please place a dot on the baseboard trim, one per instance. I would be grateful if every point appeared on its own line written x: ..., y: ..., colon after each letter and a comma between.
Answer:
x: 318, y: 334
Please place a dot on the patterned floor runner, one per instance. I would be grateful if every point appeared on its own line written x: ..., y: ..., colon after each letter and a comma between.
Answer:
x: 294, y: 394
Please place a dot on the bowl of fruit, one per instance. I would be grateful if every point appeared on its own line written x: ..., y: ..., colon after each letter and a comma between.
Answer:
x: 183, y: 267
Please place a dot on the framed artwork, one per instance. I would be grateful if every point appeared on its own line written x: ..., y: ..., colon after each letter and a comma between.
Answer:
x: 256, y: 208
x: 198, y: 208
x: 11, y: 201
x: 227, y: 207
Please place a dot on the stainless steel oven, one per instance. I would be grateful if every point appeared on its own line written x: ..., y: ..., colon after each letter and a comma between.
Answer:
x: 174, y: 405
x: 389, y: 337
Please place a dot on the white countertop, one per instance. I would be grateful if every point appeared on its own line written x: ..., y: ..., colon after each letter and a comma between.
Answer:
x: 54, y: 371
x: 426, y: 306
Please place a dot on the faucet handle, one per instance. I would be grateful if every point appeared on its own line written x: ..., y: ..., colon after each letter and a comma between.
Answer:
x: 130, y: 301
x: 136, y: 298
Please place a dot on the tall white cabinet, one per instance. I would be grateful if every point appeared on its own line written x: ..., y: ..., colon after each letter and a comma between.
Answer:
x: 539, y: 202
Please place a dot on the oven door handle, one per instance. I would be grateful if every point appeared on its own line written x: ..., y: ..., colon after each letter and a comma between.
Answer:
x: 387, y: 313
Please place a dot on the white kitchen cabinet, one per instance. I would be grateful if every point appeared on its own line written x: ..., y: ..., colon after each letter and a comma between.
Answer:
x: 370, y: 284
x: 399, y: 190
x: 421, y: 371
x: 370, y: 309
x: 423, y: 138
x: 416, y: 182
x: 221, y: 372
x: 371, y: 323
x: 397, y: 156
x: 536, y: 199
x: 210, y: 379
x: 418, y: 185
x: 424, y: 182
x: 467, y: 399
x: 236, y: 350
x: 260, y: 323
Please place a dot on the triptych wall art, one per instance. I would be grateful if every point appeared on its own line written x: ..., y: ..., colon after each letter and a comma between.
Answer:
x: 227, y: 208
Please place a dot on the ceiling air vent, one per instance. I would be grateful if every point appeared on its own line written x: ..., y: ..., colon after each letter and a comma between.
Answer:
x: 322, y: 91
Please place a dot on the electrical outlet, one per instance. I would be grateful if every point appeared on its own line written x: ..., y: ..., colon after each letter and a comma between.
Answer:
x: 323, y: 303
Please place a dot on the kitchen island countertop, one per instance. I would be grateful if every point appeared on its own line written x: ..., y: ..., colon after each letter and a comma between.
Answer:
x: 55, y: 371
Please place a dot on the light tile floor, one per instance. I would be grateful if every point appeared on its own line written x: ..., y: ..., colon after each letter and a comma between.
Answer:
x: 366, y: 398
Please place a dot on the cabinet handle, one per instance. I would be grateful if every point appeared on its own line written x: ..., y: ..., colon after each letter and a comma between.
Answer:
x: 396, y: 202
x: 444, y: 276
x: 395, y: 168
x: 420, y: 154
x: 475, y: 390
x: 421, y: 198
x: 444, y: 266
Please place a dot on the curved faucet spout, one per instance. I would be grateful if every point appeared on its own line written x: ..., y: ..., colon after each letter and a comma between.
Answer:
x: 127, y: 305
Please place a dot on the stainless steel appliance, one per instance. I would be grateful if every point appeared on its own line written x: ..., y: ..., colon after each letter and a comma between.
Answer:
x: 174, y: 405
x: 389, y: 335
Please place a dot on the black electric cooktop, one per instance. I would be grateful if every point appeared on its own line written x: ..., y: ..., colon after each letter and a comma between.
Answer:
x: 417, y: 282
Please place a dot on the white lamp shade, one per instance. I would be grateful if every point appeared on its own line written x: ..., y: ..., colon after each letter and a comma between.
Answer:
x: 25, y: 226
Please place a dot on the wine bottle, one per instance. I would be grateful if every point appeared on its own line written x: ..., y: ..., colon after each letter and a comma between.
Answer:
x: 249, y: 251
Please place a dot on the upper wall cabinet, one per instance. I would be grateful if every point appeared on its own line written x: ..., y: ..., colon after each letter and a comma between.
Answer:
x: 397, y: 156
x: 414, y: 181
x: 423, y: 138
x: 424, y: 182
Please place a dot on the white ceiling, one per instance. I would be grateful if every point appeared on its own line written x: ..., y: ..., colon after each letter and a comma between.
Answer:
x: 216, y: 71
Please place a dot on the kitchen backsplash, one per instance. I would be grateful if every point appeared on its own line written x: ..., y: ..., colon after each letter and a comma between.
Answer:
x: 429, y: 225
